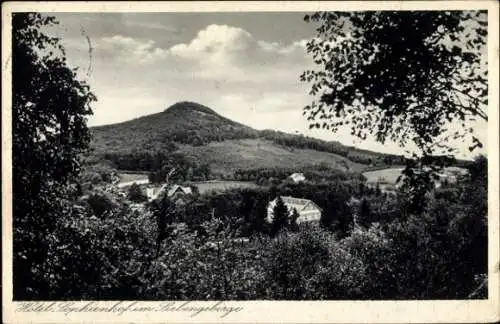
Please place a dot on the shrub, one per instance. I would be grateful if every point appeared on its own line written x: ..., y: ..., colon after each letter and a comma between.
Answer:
x: 101, y: 202
x: 135, y: 194
x: 99, y: 258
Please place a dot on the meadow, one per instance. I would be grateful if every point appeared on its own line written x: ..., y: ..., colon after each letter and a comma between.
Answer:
x: 390, y: 175
x: 127, y: 177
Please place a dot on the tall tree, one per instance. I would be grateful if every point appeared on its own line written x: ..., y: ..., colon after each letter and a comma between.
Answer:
x: 163, y: 210
x: 49, y: 131
x: 365, y: 214
x: 258, y: 215
x: 404, y: 76
x: 293, y: 219
x: 280, y: 217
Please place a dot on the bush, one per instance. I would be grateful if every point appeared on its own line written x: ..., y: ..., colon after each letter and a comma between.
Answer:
x: 208, y: 266
x: 99, y: 258
x: 101, y: 202
x: 135, y: 194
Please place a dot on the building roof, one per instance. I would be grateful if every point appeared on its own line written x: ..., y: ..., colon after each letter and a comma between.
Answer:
x: 176, y: 188
x: 297, y: 203
x: 156, y: 192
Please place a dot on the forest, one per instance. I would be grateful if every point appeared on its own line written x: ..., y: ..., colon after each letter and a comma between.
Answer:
x: 376, y: 248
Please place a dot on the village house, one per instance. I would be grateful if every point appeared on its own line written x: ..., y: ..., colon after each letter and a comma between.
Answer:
x: 174, y: 192
x: 308, y: 211
x: 297, y: 177
x: 177, y: 191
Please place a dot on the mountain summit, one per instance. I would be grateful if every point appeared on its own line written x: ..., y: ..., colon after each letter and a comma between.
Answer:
x: 183, y: 106
x: 184, y: 123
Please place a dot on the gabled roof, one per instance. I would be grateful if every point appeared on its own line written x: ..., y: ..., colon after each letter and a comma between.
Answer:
x: 297, y: 203
x: 175, y: 188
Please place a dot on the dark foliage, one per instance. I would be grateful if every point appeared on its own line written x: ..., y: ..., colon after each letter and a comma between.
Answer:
x: 402, y: 75
x: 280, y: 218
x: 49, y: 131
x: 135, y: 194
x: 439, y: 254
x: 378, y: 64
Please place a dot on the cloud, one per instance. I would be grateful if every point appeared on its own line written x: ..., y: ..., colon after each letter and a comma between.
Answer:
x: 130, y: 50
x: 217, y: 52
x: 226, y: 50
x: 217, y: 43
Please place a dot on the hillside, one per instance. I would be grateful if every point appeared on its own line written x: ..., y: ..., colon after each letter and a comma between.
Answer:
x: 207, y: 137
x: 183, y: 122
x: 227, y: 156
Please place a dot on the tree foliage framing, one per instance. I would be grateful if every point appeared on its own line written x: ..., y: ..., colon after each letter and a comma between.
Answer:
x: 49, y: 131
x: 400, y: 75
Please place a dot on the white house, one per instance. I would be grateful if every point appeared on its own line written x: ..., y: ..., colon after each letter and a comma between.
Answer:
x: 297, y: 177
x: 308, y: 211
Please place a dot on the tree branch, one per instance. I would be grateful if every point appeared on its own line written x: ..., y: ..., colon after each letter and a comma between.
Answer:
x: 477, y: 111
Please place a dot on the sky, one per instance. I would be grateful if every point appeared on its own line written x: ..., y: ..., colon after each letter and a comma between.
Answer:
x: 244, y: 66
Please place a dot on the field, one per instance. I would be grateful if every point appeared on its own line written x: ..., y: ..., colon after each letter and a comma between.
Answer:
x: 230, y: 155
x: 389, y: 175
x: 206, y: 186
x: 128, y: 177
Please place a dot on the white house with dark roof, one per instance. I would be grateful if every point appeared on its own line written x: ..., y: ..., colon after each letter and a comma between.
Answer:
x: 297, y: 177
x: 308, y: 210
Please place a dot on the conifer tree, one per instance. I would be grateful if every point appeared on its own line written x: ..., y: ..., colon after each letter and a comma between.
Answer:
x: 280, y: 217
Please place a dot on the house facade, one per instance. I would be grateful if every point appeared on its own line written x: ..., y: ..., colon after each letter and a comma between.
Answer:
x: 297, y: 177
x: 308, y: 211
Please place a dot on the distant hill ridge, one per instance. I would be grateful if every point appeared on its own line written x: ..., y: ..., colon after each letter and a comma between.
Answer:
x: 183, y: 123
x: 204, y: 135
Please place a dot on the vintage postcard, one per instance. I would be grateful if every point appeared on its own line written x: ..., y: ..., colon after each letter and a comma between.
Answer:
x: 250, y: 162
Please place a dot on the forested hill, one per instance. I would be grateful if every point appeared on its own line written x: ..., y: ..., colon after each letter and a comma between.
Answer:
x: 201, y: 133
x: 183, y: 123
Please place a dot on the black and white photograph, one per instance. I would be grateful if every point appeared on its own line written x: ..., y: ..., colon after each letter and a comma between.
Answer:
x: 230, y: 156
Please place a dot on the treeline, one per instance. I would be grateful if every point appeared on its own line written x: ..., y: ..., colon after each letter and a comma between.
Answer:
x: 184, y: 170
x: 159, y: 164
x: 315, y: 173
x: 198, y: 138
x: 353, y: 154
x: 246, y: 209
x: 140, y: 160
